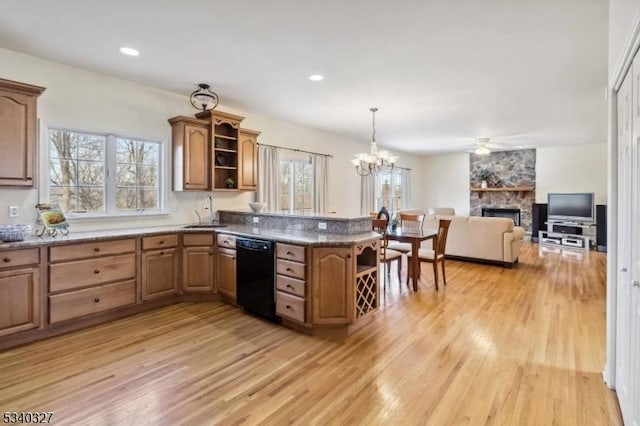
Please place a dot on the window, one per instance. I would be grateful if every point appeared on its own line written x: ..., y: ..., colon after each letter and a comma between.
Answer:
x: 296, y: 185
x: 392, y: 190
x: 93, y: 173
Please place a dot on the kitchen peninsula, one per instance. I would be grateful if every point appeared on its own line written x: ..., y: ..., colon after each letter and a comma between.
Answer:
x: 326, y: 280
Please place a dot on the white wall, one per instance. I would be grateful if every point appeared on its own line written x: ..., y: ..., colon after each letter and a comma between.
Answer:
x: 574, y: 168
x: 570, y: 168
x: 623, y: 14
x: 445, y: 182
x: 84, y: 100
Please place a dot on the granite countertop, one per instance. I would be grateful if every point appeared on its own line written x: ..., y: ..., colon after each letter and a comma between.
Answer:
x: 278, y: 235
x: 323, y: 216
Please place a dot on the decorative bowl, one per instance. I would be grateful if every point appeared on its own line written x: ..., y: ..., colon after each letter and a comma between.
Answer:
x: 257, y: 207
x: 14, y: 232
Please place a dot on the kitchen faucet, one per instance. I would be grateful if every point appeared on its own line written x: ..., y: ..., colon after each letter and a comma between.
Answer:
x: 199, y: 218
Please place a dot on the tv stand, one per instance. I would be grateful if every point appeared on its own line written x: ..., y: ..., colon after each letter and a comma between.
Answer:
x: 568, y: 234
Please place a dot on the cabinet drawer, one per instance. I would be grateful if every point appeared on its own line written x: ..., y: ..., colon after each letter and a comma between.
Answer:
x: 290, y: 269
x: 289, y: 252
x: 82, y: 273
x: 290, y: 285
x: 290, y: 306
x: 12, y: 258
x: 190, y: 240
x: 97, y: 249
x: 228, y: 241
x: 160, y: 242
x: 91, y: 300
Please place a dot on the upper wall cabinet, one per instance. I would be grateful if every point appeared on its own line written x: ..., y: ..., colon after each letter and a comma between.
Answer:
x: 212, y: 153
x: 191, y: 154
x: 18, y: 133
x: 248, y: 154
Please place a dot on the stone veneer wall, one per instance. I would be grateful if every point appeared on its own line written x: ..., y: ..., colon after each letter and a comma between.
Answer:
x: 510, y: 168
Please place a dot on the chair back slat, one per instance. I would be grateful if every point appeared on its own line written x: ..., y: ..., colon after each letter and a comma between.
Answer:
x: 411, y: 222
x: 441, y: 238
x: 380, y: 226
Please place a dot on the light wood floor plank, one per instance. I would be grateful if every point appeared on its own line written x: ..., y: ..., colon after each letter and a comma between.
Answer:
x: 495, y: 347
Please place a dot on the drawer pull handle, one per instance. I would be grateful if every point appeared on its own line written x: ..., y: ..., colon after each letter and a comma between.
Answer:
x: 96, y: 300
x: 289, y: 253
x: 233, y: 258
x: 161, y: 242
x: 210, y: 253
x: 348, y: 256
x: 289, y: 307
x: 289, y: 270
x: 7, y: 259
x: 97, y: 249
x: 290, y: 286
x: 226, y: 242
x: 96, y: 271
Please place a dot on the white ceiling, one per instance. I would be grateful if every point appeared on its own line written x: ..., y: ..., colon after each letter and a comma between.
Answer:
x: 443, y: 72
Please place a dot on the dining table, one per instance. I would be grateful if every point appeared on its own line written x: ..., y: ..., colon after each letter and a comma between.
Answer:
x: 415, y: 238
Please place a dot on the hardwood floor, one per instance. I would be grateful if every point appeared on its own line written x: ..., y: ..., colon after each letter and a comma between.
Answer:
x: 496, y: 346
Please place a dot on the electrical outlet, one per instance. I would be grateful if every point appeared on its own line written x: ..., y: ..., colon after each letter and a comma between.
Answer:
x: 322, y: 225
x: 14, y: 211
x: 256, y: 220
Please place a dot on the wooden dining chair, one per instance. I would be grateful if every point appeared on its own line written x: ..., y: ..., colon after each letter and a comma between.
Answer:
x: 409, y: 222
x: 436, y: 255
x: 387, y: 256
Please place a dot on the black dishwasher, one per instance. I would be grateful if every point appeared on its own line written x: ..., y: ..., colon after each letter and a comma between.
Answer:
x: 255, y: 273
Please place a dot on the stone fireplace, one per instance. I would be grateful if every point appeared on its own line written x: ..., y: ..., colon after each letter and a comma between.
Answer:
x: 513, y: 214
x: 509, y: 169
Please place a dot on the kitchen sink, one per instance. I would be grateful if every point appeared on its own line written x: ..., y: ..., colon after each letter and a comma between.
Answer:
x: 206, y: 225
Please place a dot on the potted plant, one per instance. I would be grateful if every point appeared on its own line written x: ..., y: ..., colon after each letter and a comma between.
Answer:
x: 483, y: 175
x: 395, y: 221
x: 230, y: 183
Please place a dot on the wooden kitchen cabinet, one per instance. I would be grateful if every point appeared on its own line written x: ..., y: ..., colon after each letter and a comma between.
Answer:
x: 18, y: 133
x: 198, y: 263
x: 19, y: 300
x: 212, y: 153
x: 248, y: 163
x: 333, y: 280
x: 227, y: 272
x: 191, y: 146
x: 160, y: 266
x: 159, y: 273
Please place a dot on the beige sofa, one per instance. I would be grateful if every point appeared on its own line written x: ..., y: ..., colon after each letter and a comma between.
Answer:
x: 486, y: 239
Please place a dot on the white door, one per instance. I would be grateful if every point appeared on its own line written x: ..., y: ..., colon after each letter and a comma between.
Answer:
x: 633, y: 410
x: 623, y: 316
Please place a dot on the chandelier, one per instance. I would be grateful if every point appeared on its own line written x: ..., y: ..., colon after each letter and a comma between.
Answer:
x: 376, y: 161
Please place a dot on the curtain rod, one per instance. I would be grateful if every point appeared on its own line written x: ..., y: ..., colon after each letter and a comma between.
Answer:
x: 296, y: 150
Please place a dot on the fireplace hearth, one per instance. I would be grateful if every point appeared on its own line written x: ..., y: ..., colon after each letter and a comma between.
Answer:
x: 511, y: 213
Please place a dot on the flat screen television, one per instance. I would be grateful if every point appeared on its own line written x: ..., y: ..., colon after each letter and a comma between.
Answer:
x: 575, y: 207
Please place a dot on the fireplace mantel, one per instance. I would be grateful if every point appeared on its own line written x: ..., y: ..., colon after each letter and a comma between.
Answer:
x: 522, y: 190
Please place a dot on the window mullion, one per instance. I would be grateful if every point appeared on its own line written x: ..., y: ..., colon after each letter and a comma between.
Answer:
x: 110, y: 174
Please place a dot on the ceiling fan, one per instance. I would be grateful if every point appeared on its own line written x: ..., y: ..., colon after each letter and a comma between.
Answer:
x: 485, y: 145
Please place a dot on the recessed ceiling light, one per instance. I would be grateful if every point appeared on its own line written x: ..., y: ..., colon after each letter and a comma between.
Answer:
x: 316, y: 77
x: 130, y: 51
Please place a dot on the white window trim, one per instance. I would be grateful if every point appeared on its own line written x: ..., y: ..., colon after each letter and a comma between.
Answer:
x: 378, y: 190
x: 293, y: 159
x: 110, y: 185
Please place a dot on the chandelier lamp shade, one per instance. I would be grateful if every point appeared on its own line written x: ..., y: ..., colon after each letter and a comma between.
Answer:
x: 204, y: 98
x: 376, y: 161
